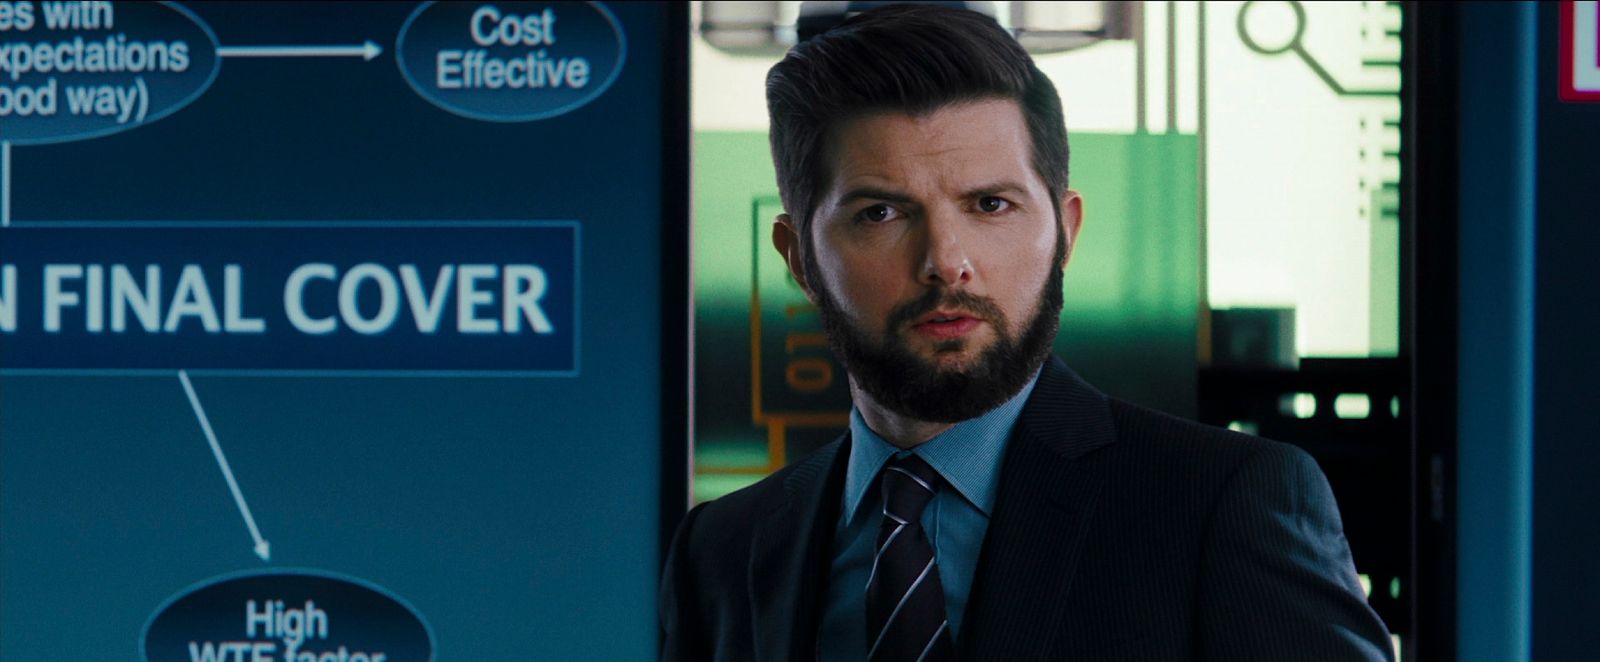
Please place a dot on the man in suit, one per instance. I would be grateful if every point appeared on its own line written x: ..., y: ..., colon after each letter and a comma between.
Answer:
x: 986, y: 503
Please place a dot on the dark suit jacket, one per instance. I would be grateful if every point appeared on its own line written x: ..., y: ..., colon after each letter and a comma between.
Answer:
x: 1118, y: 533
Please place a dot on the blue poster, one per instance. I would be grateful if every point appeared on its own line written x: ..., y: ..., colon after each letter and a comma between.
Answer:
x: 332, y: 330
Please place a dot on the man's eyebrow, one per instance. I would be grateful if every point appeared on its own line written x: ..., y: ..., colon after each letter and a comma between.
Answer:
x: 1004, y: 186
x: 873, y: 193
x: 886, y: 195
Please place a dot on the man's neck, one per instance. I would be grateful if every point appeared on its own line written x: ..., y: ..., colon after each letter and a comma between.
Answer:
x: 899, y: 430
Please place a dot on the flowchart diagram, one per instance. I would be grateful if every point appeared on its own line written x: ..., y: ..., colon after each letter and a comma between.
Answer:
x: 352, y: 291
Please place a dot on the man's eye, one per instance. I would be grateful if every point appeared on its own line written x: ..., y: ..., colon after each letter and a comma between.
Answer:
x: 990, y: 204
x: 876, y: 214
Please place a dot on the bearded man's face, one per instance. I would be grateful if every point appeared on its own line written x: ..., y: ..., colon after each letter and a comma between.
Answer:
x: 935, y: 258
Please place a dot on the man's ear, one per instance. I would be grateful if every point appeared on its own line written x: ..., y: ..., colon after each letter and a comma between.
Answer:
x: 786, y: 238
x: 1071, y: 221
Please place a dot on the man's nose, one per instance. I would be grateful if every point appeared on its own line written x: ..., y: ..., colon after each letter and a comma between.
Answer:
x: 945, y: 261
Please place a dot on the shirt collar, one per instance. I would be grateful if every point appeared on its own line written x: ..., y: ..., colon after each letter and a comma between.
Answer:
x: 967, y: 455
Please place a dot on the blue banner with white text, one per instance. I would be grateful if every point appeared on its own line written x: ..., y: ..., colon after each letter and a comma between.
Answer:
x: 332, y: 330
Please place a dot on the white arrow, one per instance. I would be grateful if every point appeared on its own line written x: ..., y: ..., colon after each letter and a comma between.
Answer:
x: 366, y: 51
x: 263, y: 549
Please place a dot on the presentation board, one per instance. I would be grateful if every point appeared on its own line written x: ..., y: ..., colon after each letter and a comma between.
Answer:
x: 339, y: 331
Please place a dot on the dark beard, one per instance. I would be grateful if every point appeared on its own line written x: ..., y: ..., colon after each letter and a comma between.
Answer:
x: 907, y: 385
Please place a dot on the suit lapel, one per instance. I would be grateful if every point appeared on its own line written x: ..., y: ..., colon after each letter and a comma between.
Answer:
x: 789, y: 559
x: 1047, y: 495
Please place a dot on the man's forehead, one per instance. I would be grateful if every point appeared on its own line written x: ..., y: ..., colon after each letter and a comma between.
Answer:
x: 983, y: 138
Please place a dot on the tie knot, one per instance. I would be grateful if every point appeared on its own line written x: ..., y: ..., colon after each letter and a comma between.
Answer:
x: 909, y: 483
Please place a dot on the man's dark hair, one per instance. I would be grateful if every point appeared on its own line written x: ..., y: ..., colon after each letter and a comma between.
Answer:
x: 910, y: 58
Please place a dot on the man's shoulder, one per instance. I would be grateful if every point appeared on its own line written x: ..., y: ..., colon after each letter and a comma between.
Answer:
x: 1069, y: 413
x: 731, y: 518
x: 1186, y: 447
x: 1142, y: 424
x: 704, y: 599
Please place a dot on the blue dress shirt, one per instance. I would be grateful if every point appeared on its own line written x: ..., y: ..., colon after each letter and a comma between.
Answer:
x: 968, y: 457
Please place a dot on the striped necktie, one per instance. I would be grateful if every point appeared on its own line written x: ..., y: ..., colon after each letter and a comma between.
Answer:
x: 906, y: 620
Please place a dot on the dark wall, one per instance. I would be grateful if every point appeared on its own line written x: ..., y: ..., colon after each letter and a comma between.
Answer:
x: 1566, y: 449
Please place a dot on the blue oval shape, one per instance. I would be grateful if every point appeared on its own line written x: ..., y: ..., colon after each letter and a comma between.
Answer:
x: 510, y: 61
x: 127, y: 65
x: 286, y: 615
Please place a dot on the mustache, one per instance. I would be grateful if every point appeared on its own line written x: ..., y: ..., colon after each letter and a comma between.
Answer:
x: 937, y: 298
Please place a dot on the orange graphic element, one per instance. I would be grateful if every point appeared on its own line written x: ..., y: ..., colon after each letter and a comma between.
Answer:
x: 803, y: 374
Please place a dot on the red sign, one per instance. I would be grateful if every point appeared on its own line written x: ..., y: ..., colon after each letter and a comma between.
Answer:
x: 1580, y: 51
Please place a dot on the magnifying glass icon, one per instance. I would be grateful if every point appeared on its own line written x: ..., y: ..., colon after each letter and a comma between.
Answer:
x: 1294, y: 43
x: 1291, y: 44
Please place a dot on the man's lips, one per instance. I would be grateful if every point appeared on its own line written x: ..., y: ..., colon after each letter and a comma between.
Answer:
x: 946, y: 324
